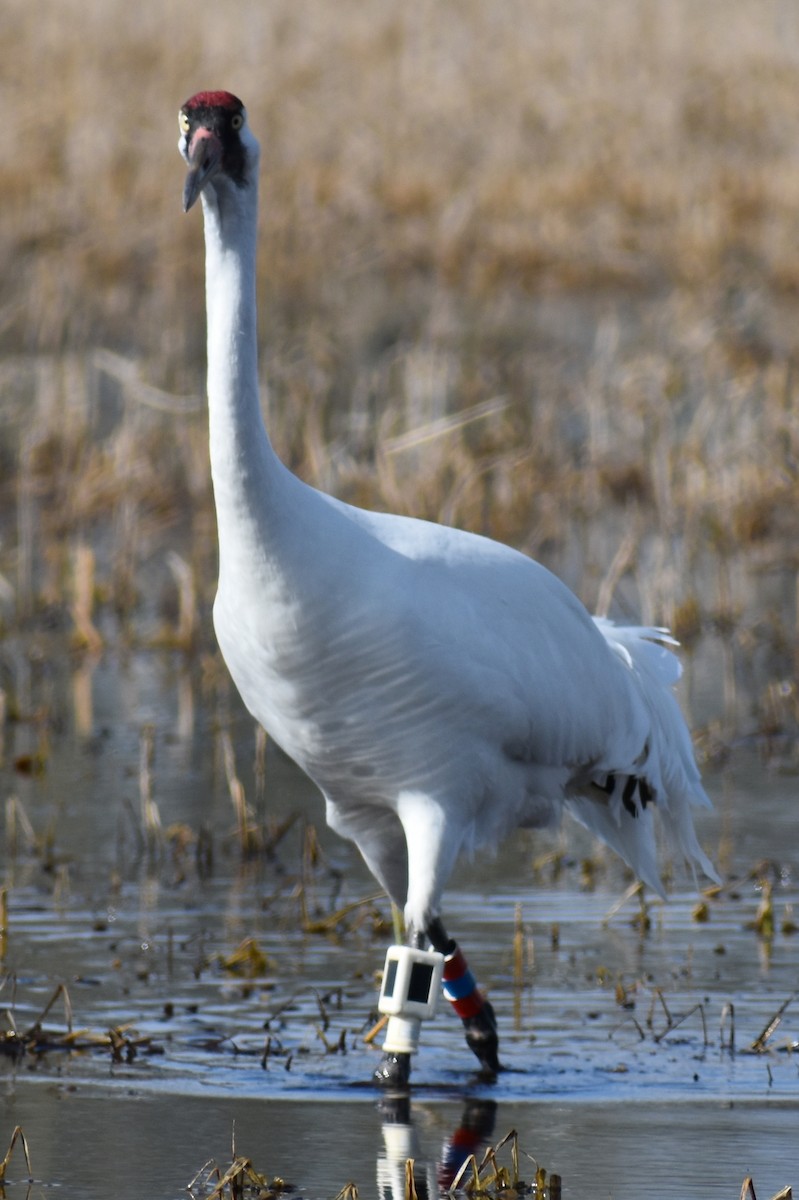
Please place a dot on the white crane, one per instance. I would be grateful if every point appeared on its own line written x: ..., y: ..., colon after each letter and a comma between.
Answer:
x: 441, y: 689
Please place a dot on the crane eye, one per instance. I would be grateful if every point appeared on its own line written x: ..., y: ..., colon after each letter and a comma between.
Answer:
x: 236, y: 121
x: 183, y: 122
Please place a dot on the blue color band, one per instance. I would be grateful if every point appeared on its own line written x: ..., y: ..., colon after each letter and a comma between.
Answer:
x: 456, y: 989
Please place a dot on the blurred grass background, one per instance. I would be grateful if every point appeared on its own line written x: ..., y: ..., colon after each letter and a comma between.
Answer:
x: 527, y: 267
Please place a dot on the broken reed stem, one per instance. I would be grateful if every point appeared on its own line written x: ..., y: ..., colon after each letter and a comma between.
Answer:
x: 16, y: 1136
x: 675, y: 1022
x: 635, y: 889
x: 410, y: 1182
x: 511, y: 1136
x: 377, y: 1028
x: 759, y: 1044
x: 348, y: 1192
x: 628, y: 1019
x: 331, y: 922
x: 469, y: 1164
x: 205, y: 1173
x: 748, y: 1189
x: 61, y: 990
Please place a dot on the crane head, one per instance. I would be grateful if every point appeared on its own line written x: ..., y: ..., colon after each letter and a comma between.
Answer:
x: 211, y: 125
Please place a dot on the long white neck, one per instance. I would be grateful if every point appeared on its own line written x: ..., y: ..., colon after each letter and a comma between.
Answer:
x: 246, y: 473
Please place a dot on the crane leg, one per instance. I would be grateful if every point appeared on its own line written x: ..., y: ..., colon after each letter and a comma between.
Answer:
x: 408, y: 995
x: 461, y: 989
x: 411, y: 980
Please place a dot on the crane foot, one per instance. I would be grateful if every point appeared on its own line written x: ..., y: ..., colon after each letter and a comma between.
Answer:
x: 393, y: 1072
x: 482, y: 1038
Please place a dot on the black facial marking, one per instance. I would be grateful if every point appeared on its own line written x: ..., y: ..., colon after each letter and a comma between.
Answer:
x: 219, y: 119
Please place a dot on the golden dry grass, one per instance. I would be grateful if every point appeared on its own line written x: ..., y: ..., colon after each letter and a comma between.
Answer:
x: 532, y: 268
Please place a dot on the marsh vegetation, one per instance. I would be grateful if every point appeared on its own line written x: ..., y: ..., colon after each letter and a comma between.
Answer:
x: 529, y: 270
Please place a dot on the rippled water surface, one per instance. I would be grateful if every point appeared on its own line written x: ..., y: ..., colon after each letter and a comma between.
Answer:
x: 605, y: 1084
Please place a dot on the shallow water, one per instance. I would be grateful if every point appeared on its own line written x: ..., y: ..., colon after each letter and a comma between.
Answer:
x: 600, y: 1089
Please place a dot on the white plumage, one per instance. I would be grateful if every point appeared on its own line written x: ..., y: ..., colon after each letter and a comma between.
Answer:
x: 440, y: 688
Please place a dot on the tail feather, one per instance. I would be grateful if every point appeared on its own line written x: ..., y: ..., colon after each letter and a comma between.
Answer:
x: 616, y: 808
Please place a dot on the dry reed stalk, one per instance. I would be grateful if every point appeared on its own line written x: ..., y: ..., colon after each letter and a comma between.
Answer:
x: 126, y: 553
x: 20, y: 834
x: 490, y: 1178
x: 259, y: 769
x: 333, y: 921
x: 3, y: 923
x: 59, y: 993
x: 758, y: 1046
x: 234, y: 1182
x: 184, y: 723
x: 62, y: 887
x: 423, y: 434
x: 16, y: 1136
x: 642, y: 920
x: 472, y: 1185
x: 630, y: 304
x: 673, y: 1022
x: 375, y: 1030
x: 622, y: 561
x: 86, y: 633
x: 764, y: 922
x: 248, y: 959
x: 410, y: 1192
x: 150, y: 815
x: 248, y: 833
x: 26, y: 528
x: 518, y: 965
x: 748, y: 1191
x: 727, y: 1020
x: 128, y: 372
x: 186, y: 630
x: 83, y: 697
x: 348, y: 1192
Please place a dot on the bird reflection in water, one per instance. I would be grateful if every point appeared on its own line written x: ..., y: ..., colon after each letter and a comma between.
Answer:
x: 401, y: 1144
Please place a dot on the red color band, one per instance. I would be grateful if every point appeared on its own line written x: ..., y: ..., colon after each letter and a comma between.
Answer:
x: 455, y: 965
x: 469, y: 1006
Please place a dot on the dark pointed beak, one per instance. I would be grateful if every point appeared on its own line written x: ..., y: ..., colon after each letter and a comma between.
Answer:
x: 204, y: 156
